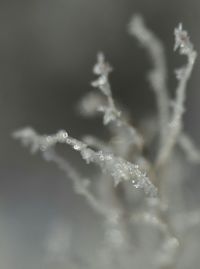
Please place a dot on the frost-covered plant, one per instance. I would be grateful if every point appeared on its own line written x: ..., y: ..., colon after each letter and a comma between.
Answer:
x: 148, y: 227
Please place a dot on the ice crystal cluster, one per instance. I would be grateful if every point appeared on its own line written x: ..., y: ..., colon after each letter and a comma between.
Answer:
x: 140, y: 197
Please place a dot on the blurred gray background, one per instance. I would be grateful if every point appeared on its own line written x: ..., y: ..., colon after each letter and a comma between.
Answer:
x: 47, y: 50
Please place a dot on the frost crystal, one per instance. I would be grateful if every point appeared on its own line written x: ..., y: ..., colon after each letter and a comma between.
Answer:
x: 149, y: 227
x: 182, y: 42
x: 121, y: 170
x: 110, y: 111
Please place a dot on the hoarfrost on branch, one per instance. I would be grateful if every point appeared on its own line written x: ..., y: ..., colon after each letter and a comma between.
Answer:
x: 124, y: 164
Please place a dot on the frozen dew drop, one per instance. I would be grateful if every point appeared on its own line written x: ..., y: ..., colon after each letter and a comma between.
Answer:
x: 62, y: 135
x: 77, y: 147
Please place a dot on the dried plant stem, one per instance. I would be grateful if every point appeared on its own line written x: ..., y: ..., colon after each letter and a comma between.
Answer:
x: 158, y: 75
x: 175, y: 126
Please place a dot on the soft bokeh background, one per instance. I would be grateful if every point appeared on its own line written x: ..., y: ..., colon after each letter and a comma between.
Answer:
x: 47, y: 50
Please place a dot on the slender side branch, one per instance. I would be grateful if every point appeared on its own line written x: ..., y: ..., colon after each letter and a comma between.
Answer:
x: 111, y: 113
x: 119, y: 169
x: 80, y: 185
x: 182, y: 42
x: 114, y: 222
x: 158, y: 75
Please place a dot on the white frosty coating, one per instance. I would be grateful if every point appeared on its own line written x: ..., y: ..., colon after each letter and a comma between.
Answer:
x: 43, y: 143
x: 89, y: 103
x: 80, y: 185
x: 97, y: 143
x: 183, y: 43
x: 111, y: 113
x: 158, y: 75
x: 170, y: 230
x: 185, y: 47
x: 120, y: 169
